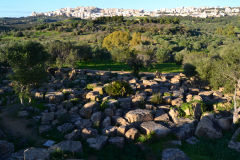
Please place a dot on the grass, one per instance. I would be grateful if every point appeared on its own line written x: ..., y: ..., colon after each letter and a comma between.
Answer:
x: 115, y: 66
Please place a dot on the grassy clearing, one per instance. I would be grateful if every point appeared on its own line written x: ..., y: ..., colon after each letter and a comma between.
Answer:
x: 114, y: 66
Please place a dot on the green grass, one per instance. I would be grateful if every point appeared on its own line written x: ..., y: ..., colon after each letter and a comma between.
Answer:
x: 115, y: 66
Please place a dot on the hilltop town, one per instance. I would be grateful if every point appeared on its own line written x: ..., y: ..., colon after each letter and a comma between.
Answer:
x: 94, y: 12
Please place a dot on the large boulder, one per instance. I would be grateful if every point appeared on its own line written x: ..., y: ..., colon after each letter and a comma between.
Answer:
x: 208, y: 128
x: 185, y: 128
x: 98, y: 142
x: 93, y: 96
x: 68, y: 146
x: 174, y: 154
x: 6, y: 149
x: 139, y: 115
x: 87, y: 109
x: 235, y: 141
x: 36, y: 154
x: 152, y: 127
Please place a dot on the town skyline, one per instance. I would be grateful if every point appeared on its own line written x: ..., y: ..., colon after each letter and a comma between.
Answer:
x: 14, y: 8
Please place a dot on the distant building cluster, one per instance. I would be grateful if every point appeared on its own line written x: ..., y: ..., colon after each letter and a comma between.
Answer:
x: 94, y: 12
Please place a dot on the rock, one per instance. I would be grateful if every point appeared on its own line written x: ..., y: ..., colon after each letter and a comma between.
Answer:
x: 125, y: 103
x: 99, y: 89
x: 89, y: 132
x: 177, y: 102
x: 49, y: 143
x: 173, y: 154
x: 6, y: 149
x: 121, y: 130
x: 192, y: 140
x: 83, y: 123
x: 207, y: 128
x: 225, y: 123
x: 68, y: 146
x: 132, y: 134
x: 174, y: 115
x: 54, y: 97
x: 87, y: 109
x: 44, y: 128
x: 139, y: 115
x: 184, y: 129
x: 152, y: 127
x: 117, y: 141
x: 96, y: 118
x: 109, y: 112
x: 98, y: 142
x: 66, y: 127
x: 110, y: 130
x: 235, y: 142
x: 149, y: 82
x: 74, y: 135
x: 106, y: 122
x: 121, y: 121
x: 36, y: 154
x: 161, y: 116
x: 47, y: 117
x: 93, y: 96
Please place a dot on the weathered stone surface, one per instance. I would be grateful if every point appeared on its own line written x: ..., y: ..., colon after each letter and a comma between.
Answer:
x: 121, y: 121
x: 117, y: 141
x: 54, y: 97
x: 89, y: 132
x: 87, y: 109
x: 106, y: 122
x: 185, y: 129
x: 121, y: 130
x: 36, y: 154
x: 139, y: 115
x: 68, y: 146
x: 47, y: 117
x: 6, y: 149
x: 132, y: 134
x: 74, y: 135
x: 152, y: 127
x: 93, y: 96
x: 98, y: 89
x: 234, y: 142
x: 110, y: 130
x: 174, y: 154
x: 98, y: 142
x: 66, y: 127
x: 109, y: 112
x: 161, y: 116
x: 125, y: 102
x: 44, y: 128
x: 177, y: 102
x: 96, y: 118
x: 225, y: 123
x: 207, y: 128
x: 83, y: 123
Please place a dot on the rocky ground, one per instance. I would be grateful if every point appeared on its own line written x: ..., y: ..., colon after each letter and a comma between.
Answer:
x: 73, y: 108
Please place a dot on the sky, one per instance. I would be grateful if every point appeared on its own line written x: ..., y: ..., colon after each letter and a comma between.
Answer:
x: 18, y: 8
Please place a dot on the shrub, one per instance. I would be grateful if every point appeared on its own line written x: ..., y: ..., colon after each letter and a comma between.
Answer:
x: 189, y: 107
x: 189, y: 70
x: 156, y: 98
x: 118, y: 89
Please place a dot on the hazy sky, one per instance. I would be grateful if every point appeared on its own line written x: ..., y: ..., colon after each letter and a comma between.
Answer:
x: 17, y: 8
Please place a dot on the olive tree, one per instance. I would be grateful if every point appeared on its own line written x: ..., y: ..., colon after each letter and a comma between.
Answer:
x: 27, y: 61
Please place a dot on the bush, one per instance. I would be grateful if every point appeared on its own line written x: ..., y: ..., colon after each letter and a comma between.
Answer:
x: 156, y: 98
x: 119, y: 89
x: 189, y: 70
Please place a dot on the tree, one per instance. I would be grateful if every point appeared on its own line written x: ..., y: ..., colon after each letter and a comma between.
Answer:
x: 27, y: 61
x: 226, y: 73
x: 117, y: 39
x: 136, y: 39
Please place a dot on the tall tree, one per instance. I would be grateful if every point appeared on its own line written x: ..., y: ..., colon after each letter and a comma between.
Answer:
x: 27, y: 61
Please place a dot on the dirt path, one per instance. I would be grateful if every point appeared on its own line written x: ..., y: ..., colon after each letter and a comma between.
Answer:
x: 18, y: 127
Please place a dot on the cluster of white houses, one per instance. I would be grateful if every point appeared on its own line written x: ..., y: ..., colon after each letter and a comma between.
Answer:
x: 94, y: 12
